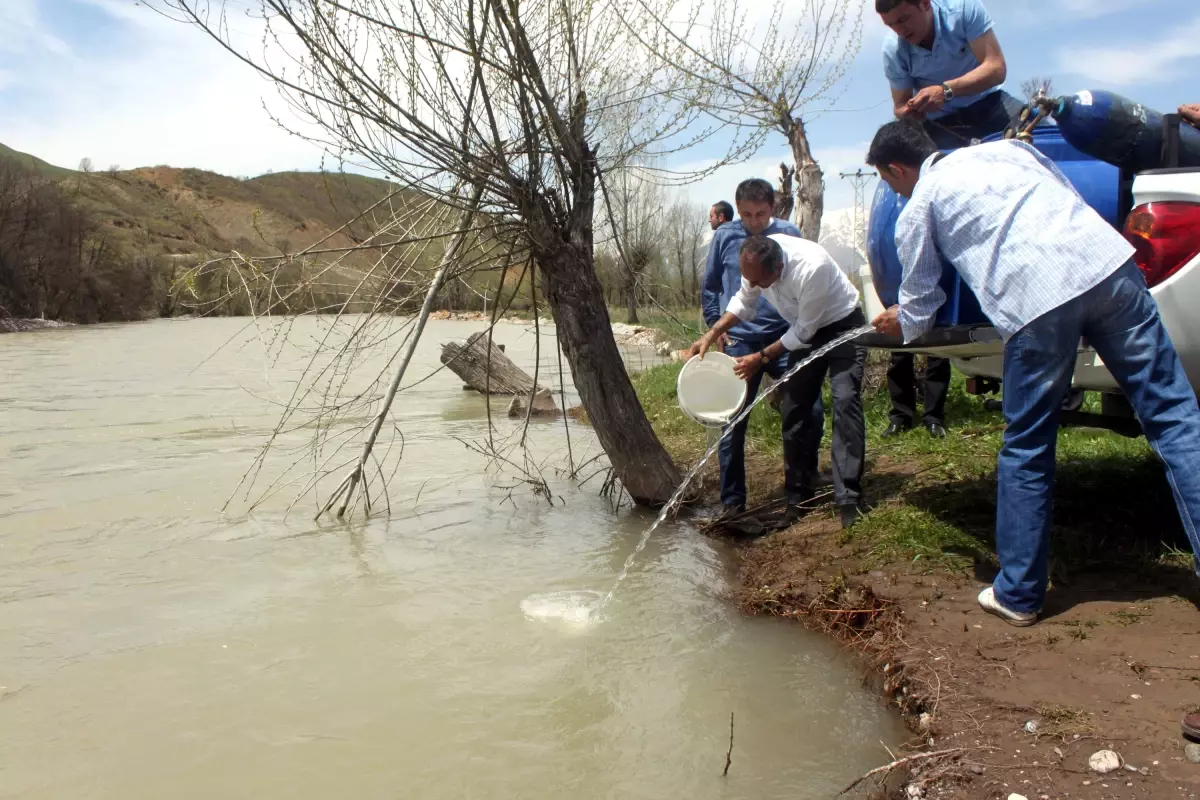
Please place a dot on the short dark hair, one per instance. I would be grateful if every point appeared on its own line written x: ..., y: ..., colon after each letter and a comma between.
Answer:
x: 900, y: 142
x: 755, y: 190
x: 724, y: 210
x: 884, y: 6
x: 766, y: 252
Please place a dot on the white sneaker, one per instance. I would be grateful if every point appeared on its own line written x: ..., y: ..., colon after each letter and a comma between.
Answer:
x: 989, y: 603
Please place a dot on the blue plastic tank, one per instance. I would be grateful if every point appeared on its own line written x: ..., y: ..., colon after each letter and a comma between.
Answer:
x: 1097, y: 181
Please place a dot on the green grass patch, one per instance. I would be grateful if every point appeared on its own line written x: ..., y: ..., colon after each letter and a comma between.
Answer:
x: 1113, y: 507
x: 907, y: 533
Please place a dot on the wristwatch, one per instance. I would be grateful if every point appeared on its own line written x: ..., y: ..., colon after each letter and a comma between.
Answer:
x: 949, y: 92
x: 763, y: 355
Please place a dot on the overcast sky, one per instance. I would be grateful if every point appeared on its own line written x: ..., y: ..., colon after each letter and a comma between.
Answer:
x: 115, y: 82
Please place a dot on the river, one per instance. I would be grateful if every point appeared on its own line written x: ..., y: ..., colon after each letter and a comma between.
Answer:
x: 153, y: 646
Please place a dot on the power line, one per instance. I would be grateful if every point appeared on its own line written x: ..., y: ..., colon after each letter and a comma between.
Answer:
x: 859, y: 180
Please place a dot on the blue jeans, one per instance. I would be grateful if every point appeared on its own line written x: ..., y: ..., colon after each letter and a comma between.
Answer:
x: 1120, y: 320
x: 732, y: 453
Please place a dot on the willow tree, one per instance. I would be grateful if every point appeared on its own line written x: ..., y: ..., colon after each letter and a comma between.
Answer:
x: 530, y: 102
x: 769, y: 70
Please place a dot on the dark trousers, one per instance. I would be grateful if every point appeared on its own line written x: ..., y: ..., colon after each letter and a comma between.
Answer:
x: 845, y: 365
x: 991, y: 114
x: 902, y: 386
x: 732, y: 452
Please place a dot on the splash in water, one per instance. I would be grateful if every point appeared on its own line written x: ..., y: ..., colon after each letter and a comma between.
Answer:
x: 566, y: 605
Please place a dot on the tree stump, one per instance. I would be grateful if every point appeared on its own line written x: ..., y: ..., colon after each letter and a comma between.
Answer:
x: 543, y: 405
x: 496, y: 374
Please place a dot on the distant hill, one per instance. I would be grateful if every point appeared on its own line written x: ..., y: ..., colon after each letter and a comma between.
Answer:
x: 172, y: 219
x: 176, y: 211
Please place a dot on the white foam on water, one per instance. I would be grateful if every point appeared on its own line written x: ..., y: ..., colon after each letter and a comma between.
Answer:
x: 575, y: 608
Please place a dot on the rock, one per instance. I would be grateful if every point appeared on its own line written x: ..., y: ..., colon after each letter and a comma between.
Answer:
x: 1015, y: 796
x: 1192, y: 753
x: 1104, y: 762
x: 664, y: 349
x: 1031, y: 726
x: 914, y: 792
x: 543, y: 405
x: 976, y: 769
x: 925, y: 721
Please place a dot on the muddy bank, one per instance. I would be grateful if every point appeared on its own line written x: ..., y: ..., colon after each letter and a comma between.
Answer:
x: 996, y: 710
x: 13, y: 325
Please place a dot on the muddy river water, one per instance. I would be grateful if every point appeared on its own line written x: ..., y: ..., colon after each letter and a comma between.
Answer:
x: 152, y: 646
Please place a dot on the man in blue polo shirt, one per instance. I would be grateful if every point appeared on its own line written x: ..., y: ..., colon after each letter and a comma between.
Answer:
x: 755, y: 201
x: 946, y: 69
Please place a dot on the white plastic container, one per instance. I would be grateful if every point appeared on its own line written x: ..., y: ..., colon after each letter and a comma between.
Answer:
x: 709, y: 391
x: 872, y: 305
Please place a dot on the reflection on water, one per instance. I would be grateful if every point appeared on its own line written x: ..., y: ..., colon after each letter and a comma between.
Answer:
x: 152, y: 647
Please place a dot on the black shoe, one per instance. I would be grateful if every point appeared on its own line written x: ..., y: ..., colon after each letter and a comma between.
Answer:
x: 850, y: 515
x: 794, y: 514
x: 936, y: 430
x: 895, y: 429
x: 727, y: 511
x: 822, y: 481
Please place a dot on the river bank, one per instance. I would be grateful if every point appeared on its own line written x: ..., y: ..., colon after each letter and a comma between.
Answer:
x: 994, y: 710
x: 15, y: 325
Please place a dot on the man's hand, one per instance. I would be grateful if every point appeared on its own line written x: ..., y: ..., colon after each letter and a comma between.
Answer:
x: 888, y: 323
x: 928, y: 100
x: 748, y: 366
x: 699, y: 347
x: 723, y: 342
x: 1191, y: 114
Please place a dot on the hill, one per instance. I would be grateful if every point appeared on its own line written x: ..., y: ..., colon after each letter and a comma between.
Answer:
x: 191, y: 211
x: 169, y: 219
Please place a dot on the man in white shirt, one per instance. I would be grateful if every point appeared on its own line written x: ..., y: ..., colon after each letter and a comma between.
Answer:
x: 803, y: 282
x: 1048, y: 271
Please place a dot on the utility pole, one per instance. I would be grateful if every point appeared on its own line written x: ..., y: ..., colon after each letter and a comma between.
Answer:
x: 859, y: 181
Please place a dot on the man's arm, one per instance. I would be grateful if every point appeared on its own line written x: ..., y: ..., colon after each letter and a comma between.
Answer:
x: 896, y: 70
x: 742, y: 308
x: 714, y: 273
x: 991, y: 72
x: 920, y: 294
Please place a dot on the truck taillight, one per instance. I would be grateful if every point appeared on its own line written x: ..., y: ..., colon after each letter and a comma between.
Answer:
x: 1166, y: 237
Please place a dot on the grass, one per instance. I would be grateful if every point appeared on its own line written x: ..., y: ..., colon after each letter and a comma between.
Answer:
x: 907, y: 533
x: 1064, y: 723
x: 935, y: 500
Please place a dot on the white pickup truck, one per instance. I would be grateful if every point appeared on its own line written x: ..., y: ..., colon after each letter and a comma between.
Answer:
x: 1164, y: 226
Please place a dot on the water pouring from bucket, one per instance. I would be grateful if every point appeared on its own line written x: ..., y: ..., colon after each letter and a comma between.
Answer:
x: 709, y: 397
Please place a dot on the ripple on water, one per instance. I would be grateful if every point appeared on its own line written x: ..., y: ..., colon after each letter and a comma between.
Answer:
x: 577, y: 607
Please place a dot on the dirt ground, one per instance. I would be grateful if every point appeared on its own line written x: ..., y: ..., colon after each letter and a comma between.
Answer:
x: 1113, y: 664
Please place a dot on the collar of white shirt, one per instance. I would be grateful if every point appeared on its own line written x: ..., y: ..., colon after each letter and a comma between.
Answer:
x: 928, y: 163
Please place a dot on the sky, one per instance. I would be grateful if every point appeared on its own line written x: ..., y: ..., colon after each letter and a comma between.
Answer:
x: 113, y: 81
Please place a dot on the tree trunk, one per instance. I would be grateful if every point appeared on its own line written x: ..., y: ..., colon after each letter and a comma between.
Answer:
x: 631, y: 298
x: 784, y: 199
x: 570, y: 286
x: 810, y: 184
x: 493, y: 373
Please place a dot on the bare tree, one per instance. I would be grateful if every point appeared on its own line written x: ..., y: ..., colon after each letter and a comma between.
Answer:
x: 1035, y: 86
x: 771, y: 72
x: 85, y: 165
x: 532, y: 103
x: 683, y: 239
x: 636, y: 205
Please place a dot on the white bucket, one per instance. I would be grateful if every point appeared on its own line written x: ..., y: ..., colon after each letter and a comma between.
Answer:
x: 708, y: 390
x: 872, y: 305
